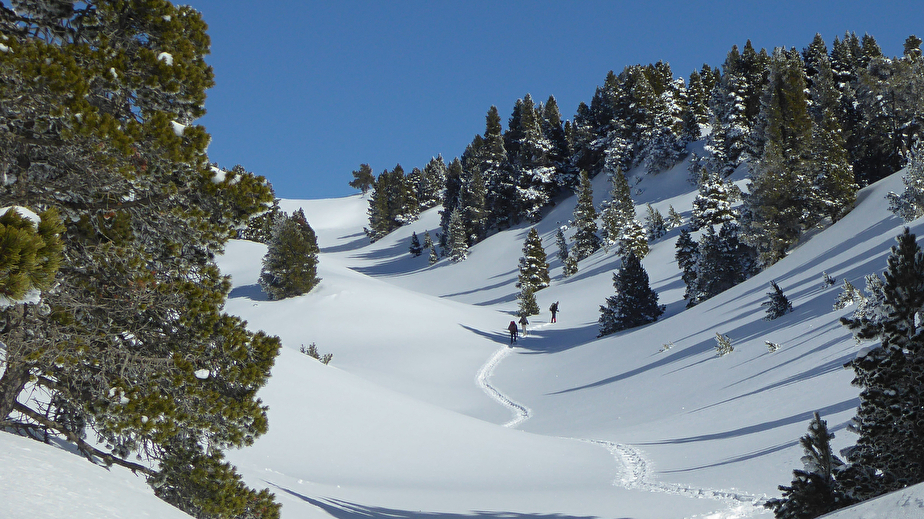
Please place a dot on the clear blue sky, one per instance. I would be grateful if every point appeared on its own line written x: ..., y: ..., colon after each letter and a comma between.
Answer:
x: 308, y: 90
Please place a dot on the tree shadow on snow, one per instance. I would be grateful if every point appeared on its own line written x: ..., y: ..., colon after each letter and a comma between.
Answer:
x: 252, y: 292
x: 346, y: 510
x: 360, y: 241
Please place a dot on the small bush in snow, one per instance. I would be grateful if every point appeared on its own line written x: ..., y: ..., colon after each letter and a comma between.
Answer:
x: 772, y: 346
x: 827, y: 281
x: 723, y: 345
x: 778, y: 305
x: 312, y: 351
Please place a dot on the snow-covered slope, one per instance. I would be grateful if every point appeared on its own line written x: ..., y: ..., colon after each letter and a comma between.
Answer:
x: 425, y: 411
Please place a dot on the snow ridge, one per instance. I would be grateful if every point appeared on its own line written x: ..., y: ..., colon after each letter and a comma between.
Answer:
x: 520, y: 412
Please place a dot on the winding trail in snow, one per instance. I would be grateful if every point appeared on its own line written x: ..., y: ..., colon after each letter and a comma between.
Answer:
x: 636, y: 473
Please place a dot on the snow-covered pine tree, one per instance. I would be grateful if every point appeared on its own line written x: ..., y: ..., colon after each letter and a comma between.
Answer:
x: 619, y: 211
x: 98, y: 106
x: 570, y: 267
x: 584, y: 223
x: 687, y: 253
x: 527, y: 302
x: 431, y: 248
x: 416, y: 249
x: 432, y: 183
x: 674, y: 219
x: 458, y: 240
x: 528, y: 151
x: 891, y: 412
x: 814, y: 490
x: 909, y: 205
x: 290, y: 266
x: 534, y: 269
x: 655, y: 224
x: 562, y: 243
x: 778, y: 305
x: 721, y: 261
x: 452, y: 200
x: 633, y: 240
x: 634, y: 303
x: 392, y: 203
x: 712, y: 205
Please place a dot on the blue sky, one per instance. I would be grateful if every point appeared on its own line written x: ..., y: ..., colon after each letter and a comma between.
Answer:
x: 308, y: 90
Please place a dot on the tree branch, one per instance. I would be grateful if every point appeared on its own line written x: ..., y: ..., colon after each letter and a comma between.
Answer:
x: 88, y: 450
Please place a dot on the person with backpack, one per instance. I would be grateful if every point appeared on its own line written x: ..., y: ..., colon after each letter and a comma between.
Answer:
x: 512, y: 328
x: 554, y: 310
x: 523, y: 323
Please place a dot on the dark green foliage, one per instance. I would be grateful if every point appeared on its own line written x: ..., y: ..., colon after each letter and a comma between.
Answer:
x: 888, y: 453
x: 392, y: 204
x: 634, y: 303
x: 458, y: 239
x: 586, y: 241
x: 534, y: 269
x: 30, y: 254
x: 778, y: 305
x: 527, y: 302
x: 814, y: 491
x: 718, y: 262
x: 655, y: 224
x: 712, y: 206
x: 618, y: 212
x: 98, y: 125
x: 290, y: 267
x: 363, y: 179
x: 415, y: 249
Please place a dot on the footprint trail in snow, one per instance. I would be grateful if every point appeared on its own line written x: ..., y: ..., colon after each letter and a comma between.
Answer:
x: 636, y: 473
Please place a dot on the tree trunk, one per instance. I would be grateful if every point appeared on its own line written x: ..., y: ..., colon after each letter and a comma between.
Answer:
x: 12, y: 382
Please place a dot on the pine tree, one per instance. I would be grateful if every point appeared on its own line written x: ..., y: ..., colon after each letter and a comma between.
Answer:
x: 584, y: 223
x: 290, y: 266
x: 432, y: 183
x: 458, y: 241
x: 634, y: 303
x: 570, y: 267
x: 527, y: 301
x: 674, y: 219
x: 778, y: 305
x: 719, y: 262
x: 415, y: 248
x: 562, y: 243
x: 687, y: 254
x: 814, y: 490
x: 619, y: 212
x: 633, y: 240
x: 98, y: 103
x: 534, y: 270
x: 712, y: 205
x: 910, y: 204
x: 392, y: 204
x: 452, y: 200
x: 363, y: 179
x: 888, y: 453
x: 655, y: 224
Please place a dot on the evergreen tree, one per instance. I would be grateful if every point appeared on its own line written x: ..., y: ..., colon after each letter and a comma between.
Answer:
x: 570, y: 267
x: 712, y: 205
x: 392, y: 204
x: 528, y: 152
x: 814, y: 490
x: 363, y: 179
x: 474, y: 212
x: 910, y: 204
x: 534, y: 270
x: 888, y: 454
x: 778, y: 305
x: 633, y: 240
x: 634, y: 303
x: 260, y: 227
x: 501, y: 200
x: 527, y: 301
x: 687, y: 254
x: 655, y: 224
x: 776, y: 208
x: 584, y: 221
x: 432, y: 183
x: 452, y: 200
x: 619, y: 212
x: 97, y: 104
x: 415, y: 249
x: 720, y: 261
x: 428, y: 245
x: 458, y: 241
x: 674, y: 219
x: 562, y: 243
x: 290, y: 266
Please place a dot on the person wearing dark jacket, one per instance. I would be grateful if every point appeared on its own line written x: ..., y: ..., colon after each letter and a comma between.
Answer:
x: 554, y: 310
x: 512, y: 328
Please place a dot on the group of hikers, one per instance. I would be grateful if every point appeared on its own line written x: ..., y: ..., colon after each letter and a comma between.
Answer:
x: 514, y: 330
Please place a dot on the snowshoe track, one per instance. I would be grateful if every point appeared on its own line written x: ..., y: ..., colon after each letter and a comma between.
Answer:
x: 520, y: 412
x: 636, y: 473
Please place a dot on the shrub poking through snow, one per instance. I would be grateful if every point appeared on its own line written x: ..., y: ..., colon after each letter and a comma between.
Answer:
x: 778, y: 305
x: 723, y: 345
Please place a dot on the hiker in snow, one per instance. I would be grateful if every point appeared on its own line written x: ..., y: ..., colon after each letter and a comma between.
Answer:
x: 523, y: 323
x: 512, y: 328
x: 554, y: 310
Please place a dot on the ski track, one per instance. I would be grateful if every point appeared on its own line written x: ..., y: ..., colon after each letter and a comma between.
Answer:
x: 636, y: 473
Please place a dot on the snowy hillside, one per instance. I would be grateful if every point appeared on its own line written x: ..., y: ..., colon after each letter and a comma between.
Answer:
x: 425, y: 411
